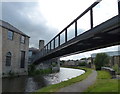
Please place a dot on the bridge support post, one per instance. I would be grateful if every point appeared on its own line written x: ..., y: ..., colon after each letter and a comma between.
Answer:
x: 119, y: 7
x: 66, y: 35
x: 53, y: 64
x: 91, y: 17
x: 76, y: 29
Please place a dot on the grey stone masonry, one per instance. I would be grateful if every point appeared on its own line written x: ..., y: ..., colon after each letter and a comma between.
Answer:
x: 15, y: 46
x: 41, y: 44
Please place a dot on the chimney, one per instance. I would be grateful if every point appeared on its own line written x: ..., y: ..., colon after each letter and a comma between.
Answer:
x: 41, y: 44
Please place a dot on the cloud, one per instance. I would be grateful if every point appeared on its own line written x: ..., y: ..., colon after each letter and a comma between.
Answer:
x: 88, y: 54
x: 27, y: 17
x: 44, y: 19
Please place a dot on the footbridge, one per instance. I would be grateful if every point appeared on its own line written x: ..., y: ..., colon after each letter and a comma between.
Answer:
x: 103, y: 35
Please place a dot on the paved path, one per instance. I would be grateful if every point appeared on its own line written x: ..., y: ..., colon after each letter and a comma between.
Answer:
x: 82, y: 85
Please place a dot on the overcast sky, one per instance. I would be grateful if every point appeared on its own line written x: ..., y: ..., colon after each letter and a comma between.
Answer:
x: 43, y: 19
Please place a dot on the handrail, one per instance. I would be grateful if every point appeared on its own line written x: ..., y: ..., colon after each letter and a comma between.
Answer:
x: 74, y: 21
x: 93, y: 5
x: 44, y: 50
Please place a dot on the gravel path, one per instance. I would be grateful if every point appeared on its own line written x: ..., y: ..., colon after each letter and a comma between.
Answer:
x: 82, y: 85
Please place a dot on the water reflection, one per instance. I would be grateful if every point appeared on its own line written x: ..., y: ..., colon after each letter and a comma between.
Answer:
x: 31, y: 84
x: 63, y: 75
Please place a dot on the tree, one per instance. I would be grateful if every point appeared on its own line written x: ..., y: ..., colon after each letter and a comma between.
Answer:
x: 101, y: 59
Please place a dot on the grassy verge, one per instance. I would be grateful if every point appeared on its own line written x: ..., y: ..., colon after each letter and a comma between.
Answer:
x: 56, y: 87
x: 104, y: 83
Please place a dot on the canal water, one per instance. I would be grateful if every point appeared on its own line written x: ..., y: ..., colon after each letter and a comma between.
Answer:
x: 31, y: 84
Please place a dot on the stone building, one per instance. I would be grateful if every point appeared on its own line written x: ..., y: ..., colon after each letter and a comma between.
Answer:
x: 15, y: 46
x: 32, y: 54
x: 114, y: 58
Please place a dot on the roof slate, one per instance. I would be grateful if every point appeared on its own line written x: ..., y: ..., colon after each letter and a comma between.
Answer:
x: 12, y: 28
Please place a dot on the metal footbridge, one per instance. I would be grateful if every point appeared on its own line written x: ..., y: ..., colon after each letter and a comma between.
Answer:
x: 103, y: 35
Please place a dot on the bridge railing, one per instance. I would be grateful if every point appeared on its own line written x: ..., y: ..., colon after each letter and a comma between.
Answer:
x: 63, y: 37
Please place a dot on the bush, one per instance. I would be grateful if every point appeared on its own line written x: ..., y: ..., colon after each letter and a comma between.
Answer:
x: 101, y: 60
x: 31, y: 69
x: 82, y: 64
x: 116, y: 68
x: 40, y: 72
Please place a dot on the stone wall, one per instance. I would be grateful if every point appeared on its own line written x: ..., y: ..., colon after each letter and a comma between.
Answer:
x: 50, y: 64
x: 15, y: 47
x: 0, y: 60
x: 0, y: 52
x: 117, y: 60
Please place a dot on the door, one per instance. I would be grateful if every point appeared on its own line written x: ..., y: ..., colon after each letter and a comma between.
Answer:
x: 22, y: 65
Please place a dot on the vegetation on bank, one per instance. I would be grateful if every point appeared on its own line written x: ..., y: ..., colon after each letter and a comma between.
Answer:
x: 117, y: 69
x: 32, y: 71
x: 101, y: 59
x: 104, y: 83
x: 56, y: 87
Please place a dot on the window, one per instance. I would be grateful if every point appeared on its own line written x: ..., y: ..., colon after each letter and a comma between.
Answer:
x: 30, y: 53
x: 10, y: 35
x: 22, y: 65
x: 22, y: 39
x: 8, y: 59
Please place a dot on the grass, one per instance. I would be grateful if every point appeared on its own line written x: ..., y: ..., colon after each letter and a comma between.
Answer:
x: 103, y: 75
x: 56, y: 87
x: 104, y: 83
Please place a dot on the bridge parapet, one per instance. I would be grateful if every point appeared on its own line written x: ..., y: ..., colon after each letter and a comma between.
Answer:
x: 55, y: 43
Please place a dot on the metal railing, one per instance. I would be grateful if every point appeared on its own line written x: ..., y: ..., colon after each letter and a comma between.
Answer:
x: 56, y: 41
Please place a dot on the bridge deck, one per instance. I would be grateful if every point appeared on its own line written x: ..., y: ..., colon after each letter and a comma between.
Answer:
x: 103, y: 35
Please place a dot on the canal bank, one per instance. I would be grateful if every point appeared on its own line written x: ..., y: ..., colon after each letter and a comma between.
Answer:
x: 33, y: 83
x: 56, y: 87
x: 82, y: 85
x: 105, y: 83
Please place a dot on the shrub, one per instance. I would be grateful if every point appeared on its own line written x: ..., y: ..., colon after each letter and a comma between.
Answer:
x: 82, y: 64
x: 31, y: 69
x: 116, y: 68
x: 101, y: 59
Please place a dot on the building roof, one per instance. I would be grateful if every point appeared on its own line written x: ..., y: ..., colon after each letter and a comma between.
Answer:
x: 113, y: 53
x: 12, y: 28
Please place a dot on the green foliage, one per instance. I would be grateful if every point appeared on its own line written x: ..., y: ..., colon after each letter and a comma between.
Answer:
x: 101, y: 59
x: 82, y: 64
x: 31, y: 69
x: 116, y: 68
x: 40, y: 72
x: 43, y: 71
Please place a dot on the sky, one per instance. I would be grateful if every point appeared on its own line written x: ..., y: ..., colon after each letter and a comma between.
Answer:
x: 43, y: 19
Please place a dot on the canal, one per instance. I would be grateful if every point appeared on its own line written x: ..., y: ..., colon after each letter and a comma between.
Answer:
x: 31, y: 84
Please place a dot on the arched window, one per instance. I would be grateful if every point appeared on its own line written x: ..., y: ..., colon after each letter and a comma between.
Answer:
x: 8, y: 59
